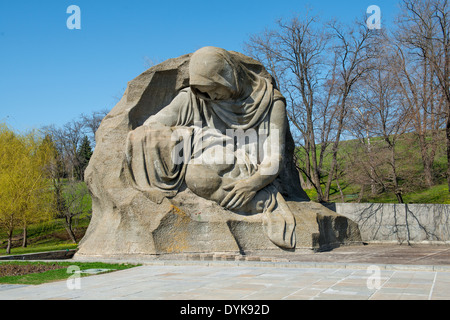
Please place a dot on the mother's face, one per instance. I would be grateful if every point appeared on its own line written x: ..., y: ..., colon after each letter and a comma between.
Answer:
x: 212, y: 92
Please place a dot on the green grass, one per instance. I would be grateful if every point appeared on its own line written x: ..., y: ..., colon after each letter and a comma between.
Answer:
x: 58, y: 274
x: 436, y: 194
x: 50, y: 235
x: 42, y: 248
x: 409, y: 170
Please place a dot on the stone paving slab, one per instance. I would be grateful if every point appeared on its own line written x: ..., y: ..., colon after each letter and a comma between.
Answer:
x: 349, y: 273
x: 385, y: 256
x: 197, y: 282
x: 4, y: 287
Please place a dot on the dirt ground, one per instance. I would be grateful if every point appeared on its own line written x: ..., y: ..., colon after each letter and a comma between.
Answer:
x: 20, y: 270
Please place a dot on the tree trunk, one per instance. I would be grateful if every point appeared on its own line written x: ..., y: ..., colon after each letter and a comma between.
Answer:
x: 306, y: 185
x: 10, y: 235
x: 70, y: 230
x: 315, y: 170
x: 330, y: 177
x: 308, y: 182
x: 9, y: 245
x: 399, y: 196
x: 447, y: 135
x: 427, y: 170
x: 360, y: 195
x: 397, y: 189
x: 448, y: 146
x: 340, y: 189
x: 25, y: 236
x: 336, y: 148
x: 427, y: 160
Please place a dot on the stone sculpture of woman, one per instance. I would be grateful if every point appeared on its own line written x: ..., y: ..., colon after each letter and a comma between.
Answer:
x: 223, y: 137
x: 197, y: 157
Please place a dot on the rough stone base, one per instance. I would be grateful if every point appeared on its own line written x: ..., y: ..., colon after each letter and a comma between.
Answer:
x: 188, y: 224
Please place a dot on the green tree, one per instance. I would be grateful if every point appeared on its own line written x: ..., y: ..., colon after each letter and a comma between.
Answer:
x: 24, y: 190
x: 37, y: 207
x: 68, y: 198
x: 70, y: 202
x: 84, y: 154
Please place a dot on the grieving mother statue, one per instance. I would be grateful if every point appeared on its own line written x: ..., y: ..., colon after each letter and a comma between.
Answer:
x: 223, y: 138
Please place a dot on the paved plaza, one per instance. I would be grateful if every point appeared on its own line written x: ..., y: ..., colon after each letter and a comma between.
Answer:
x: 355, y: 273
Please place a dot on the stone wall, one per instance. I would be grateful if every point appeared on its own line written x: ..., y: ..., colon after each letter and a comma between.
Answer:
x: 401, y: 223
x: 50, y: 255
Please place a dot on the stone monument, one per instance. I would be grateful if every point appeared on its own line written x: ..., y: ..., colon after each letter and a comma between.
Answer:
x: 197, y: 157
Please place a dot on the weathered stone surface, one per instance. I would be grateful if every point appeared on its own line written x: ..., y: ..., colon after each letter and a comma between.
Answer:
x: 127, y: 221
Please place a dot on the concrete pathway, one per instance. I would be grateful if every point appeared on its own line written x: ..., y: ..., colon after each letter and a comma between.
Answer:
x: 335, y: 275
x: 210, y: 282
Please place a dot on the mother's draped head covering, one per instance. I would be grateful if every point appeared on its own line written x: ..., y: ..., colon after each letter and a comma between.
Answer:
x: 250, y: 95
x: 210, y: 66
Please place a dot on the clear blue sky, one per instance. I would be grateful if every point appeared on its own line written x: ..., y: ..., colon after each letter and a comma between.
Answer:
x: 50, y: 74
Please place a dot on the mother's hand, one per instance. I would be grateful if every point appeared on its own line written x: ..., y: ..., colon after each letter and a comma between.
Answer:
x: 241, y: 193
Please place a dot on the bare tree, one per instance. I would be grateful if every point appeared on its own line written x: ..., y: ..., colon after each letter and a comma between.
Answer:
x: 353, y: 51
x: 425, y: 28
x: 317, y: 66
x: 386, y: 116
x: 69, y: 138
x: 69, y: 199
x: 419, y: 85
x: 91, y: 122
x: 294, y: 54
x: 419, y: 90
x: 70, y: 202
